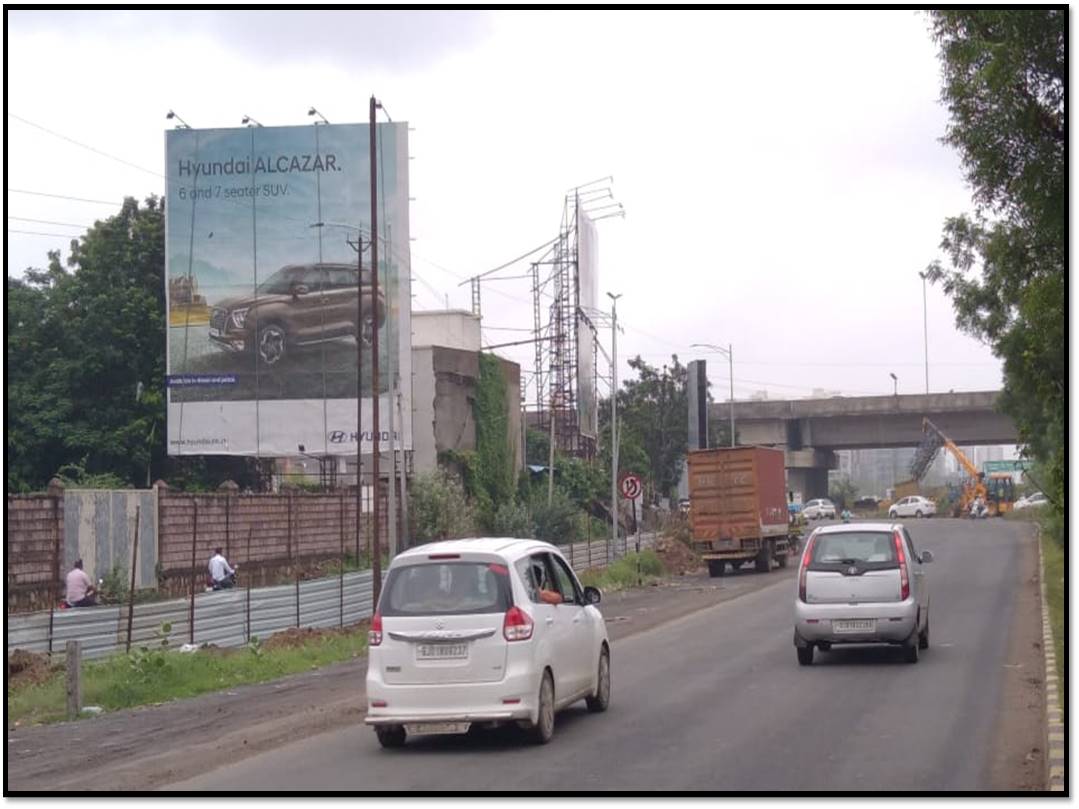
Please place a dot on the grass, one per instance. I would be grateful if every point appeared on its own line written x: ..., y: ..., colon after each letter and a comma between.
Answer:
x: 622, y: 574
x: 1053, y: 573
x: 125, y: 681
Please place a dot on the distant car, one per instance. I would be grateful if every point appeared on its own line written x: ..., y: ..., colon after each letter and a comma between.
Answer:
x: 913, y: 506
x: 819, y: 509
x: 869, y: 501
x: 1031, y: 501
x: 483, y: 632
x: 861, y: 583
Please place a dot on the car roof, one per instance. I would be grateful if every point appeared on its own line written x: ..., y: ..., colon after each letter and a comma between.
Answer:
x: 853, y: 527
x: 507, y: 547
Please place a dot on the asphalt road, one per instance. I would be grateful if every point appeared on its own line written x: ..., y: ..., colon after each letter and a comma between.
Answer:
x: 716, y: 701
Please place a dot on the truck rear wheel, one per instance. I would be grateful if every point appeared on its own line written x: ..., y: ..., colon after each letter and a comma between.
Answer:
x: 781, y: 560
x: 763, y: 562
x: 716, y: 567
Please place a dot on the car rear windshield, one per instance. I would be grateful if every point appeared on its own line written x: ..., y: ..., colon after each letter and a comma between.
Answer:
x: 446, y: 588
x: 854, y: 547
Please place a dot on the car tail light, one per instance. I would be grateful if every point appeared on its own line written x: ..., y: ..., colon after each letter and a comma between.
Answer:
x: 374, y: 634
x: 805, y: 566
x: 904, y: 576
x: 517, y: 625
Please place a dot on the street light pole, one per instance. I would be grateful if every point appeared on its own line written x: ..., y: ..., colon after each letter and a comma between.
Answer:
x: 614, y: 417
x: 925, y: 329
x: 895, y: 383
x: 376, y: 549
x: 729, y: 351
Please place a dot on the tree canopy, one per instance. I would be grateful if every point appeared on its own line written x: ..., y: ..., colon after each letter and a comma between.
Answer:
x: 1005, y: 265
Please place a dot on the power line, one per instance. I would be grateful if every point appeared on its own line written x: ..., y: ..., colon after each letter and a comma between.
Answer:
x: 62, y: 196
x: 84, y: 146
x: 48, y: 222
x: 42, y: 233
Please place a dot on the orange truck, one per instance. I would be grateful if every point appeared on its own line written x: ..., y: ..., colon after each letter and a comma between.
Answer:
x: 738, y: 507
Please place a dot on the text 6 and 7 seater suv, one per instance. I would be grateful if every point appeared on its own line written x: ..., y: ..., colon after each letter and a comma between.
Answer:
x: 483, y: 632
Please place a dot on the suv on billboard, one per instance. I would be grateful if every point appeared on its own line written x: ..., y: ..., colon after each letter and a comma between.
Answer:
x: 300, y: 304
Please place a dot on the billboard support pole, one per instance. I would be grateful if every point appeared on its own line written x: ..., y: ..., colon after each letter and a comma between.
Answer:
x: 194, y: 572
x: 359, y: 385
x: 376, y: 551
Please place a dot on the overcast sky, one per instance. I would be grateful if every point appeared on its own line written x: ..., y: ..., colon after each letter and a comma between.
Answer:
x: 781, y: 171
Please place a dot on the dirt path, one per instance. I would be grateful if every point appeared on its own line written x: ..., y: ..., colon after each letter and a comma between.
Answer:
x: 145, y: 748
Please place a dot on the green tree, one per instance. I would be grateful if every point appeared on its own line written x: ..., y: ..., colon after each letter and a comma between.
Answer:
x: 843, y: 492
x: 86, y: 363
x: 1004, y: 77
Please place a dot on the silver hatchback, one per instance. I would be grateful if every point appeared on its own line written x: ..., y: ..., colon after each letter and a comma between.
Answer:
x: 861, y: 583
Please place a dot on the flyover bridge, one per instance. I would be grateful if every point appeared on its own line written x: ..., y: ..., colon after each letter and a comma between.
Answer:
x: 811, y: 430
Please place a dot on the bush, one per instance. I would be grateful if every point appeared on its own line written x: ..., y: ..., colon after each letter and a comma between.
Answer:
x: 512, y: 520
x: 439, y: 507
x: 556, y: 522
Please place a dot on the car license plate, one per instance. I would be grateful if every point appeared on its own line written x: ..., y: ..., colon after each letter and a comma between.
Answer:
x: 215, y: 332
x: 863, y: 625
x: 427, y: 728
x: 442, y: 651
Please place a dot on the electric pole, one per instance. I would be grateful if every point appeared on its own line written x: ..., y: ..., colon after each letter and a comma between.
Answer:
x: 376, y: 553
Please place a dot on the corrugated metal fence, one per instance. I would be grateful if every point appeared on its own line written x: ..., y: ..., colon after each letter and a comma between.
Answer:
x: 233, y: 617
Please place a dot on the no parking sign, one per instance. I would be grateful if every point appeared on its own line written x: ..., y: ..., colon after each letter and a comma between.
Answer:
x: 630, y: 486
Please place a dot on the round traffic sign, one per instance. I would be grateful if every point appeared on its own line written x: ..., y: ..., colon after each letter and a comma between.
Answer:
x: 630, y: 486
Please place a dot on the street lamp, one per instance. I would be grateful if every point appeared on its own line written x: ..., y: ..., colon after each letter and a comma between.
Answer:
x: 729, y: 352
x: 925, y: 329
x: 614, y: 416
x: 895, y: 382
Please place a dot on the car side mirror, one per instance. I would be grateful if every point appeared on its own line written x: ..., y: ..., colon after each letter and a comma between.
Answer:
x: 592, y: 595
x: 299, y: 289
x: 927, y: 556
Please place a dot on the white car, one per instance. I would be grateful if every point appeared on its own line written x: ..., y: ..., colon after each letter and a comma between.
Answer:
x: 483, y: 631
x: 913, y: 506
x: 819, y: 509
x: 1031, y: 501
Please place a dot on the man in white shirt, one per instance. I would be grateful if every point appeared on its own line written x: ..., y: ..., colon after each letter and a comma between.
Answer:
x: 79, y: 588
x: 221, y: 575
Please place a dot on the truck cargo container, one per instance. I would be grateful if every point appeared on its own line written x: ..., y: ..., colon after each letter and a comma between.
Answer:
x: 738, y: 507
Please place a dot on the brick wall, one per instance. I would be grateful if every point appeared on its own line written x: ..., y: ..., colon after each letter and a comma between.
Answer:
x: 34, y: 526
x: 288, y: 532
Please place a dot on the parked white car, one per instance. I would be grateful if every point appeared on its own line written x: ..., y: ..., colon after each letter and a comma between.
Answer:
x: 862, y: 583
x: 1031, y: 501
x: 483, y: 631
x: 819, y: 509
x: 913, y: 506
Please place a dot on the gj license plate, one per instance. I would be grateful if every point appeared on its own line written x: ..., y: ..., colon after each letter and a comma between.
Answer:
x: 442, y: 651
x: 863, y: 625
x: 425, y: 728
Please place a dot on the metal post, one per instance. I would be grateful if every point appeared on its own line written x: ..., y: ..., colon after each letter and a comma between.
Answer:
x: 550, y: 452
x: 247, y: 595
x: 194, y: 573
x: 730, y: 357
x: 131, y: 592
x: 74, y: 679
x: 55, y: 596
x: 614, y: 422
x: 295, y: 572
x: 341, y: 595
x: 376, y: 553
x: 359, y: 389
x: 402, y: 482
x: 925, y: 329
x: 637, y: 532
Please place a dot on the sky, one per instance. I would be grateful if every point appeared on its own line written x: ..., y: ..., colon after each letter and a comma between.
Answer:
x: 781, y: 172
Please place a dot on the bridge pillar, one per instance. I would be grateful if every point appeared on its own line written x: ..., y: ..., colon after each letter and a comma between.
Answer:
x: 807, y: 471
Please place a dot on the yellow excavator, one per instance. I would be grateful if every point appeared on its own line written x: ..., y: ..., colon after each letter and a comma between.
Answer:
x: 975, y: 486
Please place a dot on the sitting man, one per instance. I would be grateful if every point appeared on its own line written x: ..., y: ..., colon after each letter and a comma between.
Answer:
x: 221, y: 575
x: 79, y: 588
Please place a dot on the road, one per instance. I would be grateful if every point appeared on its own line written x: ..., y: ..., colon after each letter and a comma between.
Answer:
x: 716, y: 701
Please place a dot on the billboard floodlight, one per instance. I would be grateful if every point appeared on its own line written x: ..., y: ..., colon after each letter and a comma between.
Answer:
x: 182, y: 125
x: 313, y: 111
x: 250, y: 121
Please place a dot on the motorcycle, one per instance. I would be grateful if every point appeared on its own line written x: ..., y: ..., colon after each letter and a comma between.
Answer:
x: 225, y: 584
x: 978, y: 511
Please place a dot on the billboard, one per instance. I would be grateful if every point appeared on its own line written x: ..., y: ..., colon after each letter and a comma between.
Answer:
x: 267, y: 296
x: 587, y: 285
